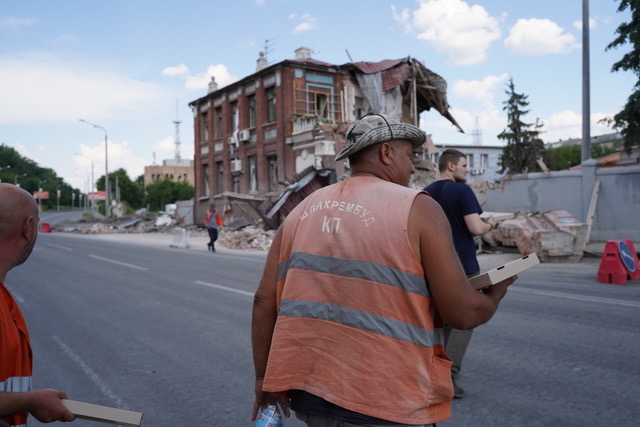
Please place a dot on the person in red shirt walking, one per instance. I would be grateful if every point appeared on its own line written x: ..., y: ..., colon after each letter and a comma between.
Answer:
x: 212, y: 220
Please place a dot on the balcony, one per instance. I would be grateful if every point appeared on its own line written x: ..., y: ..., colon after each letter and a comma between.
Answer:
x: 304, y: 123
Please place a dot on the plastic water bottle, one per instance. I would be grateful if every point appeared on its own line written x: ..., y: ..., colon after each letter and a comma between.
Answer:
x: 269, y: 417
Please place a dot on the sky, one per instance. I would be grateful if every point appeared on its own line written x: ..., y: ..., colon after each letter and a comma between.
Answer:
x: 132, y: 67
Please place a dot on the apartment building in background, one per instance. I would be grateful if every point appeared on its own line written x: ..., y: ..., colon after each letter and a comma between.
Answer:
x: 278, y: 129
x: 176, y: 170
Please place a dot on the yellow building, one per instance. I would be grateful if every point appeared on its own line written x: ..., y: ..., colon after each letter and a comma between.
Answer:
x: 175, y: 169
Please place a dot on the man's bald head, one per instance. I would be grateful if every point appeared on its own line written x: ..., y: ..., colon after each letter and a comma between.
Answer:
x: 18, y: 226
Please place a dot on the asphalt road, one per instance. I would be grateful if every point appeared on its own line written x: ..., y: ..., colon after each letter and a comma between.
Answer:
x: 166, y: 332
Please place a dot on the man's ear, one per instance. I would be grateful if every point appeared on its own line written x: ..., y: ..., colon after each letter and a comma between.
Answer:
x: 28, y: 228
x: 386, y: 153
x: 451, y: 166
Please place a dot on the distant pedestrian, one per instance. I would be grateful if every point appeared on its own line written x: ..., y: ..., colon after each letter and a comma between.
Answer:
x: 212, y: 220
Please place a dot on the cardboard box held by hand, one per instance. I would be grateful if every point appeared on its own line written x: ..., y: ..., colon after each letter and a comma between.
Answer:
x: 498, y: 274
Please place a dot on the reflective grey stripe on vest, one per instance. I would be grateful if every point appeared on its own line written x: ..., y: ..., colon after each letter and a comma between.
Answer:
x: 16, y: 384
x: 356, y: 269
x: 362, y: 320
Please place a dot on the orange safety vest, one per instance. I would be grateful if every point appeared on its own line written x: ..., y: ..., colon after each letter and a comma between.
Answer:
x: 207, y: 217
x: 16, y: 356
x: 356, y: 323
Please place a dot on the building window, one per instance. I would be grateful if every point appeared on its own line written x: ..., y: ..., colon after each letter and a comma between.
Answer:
x: 220, y: 173
x: 272, y: 162
x: 253, y: 174
x: 205, y: 179
x: 236, y: 183
x: 205, y: 127
x: 218, y: 123
x: 321, y: 105
x: 484, y: 162
x: 358, y: 109
x: 251, y: 101
x: 271, y: 105
x: 470, y: 164
x: 234, y: 117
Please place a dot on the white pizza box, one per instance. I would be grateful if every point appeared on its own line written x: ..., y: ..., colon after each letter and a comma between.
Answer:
x: 503, y: 272
x: 104, y: 414
x: 498, y: 216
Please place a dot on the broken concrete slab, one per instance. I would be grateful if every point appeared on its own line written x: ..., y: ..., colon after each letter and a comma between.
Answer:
x: 556, y: 236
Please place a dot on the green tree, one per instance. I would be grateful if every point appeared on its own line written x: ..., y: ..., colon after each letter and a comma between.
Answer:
x: 565, y: 157
x: 16, y: 169
x: 164, y: 191
x: 130, y: 192
x: 524, y: 146
x: 627, y: 121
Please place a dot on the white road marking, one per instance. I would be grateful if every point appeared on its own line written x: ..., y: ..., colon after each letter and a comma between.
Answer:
x: 225, y: 288
x: 577, y: 297
x: 90, y: 373
x: 118, y: 262
x: 60, y: 247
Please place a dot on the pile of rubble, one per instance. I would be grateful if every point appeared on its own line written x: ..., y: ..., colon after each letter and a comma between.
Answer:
x: 246, y: 238
x: 555, y: 236
x: 250, y: 237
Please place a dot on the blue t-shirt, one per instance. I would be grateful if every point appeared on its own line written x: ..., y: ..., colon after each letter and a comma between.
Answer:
x: 458, y: 200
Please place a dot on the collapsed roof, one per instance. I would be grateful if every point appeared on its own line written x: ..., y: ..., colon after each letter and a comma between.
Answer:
x: 393, y: 85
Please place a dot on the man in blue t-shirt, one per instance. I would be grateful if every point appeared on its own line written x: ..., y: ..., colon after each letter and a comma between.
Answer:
x: 462, y: 209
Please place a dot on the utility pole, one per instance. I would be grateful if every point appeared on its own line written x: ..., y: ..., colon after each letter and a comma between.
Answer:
x: 586, y: 97
x: 106, y: 169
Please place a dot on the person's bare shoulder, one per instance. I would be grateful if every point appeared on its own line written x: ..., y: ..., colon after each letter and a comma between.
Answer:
x: 427, y: 223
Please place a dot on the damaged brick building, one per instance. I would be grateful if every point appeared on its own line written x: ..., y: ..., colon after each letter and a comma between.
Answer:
x: 266, y: 140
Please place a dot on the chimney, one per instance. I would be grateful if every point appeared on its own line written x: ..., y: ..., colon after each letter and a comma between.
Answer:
x: 213, y: 86
x: 261, y: 62
x: 303, y: 53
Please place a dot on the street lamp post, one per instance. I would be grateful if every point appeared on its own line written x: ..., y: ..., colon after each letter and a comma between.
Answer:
x: 15, y: 180
x: 40, y: 195
x: 106, y: 167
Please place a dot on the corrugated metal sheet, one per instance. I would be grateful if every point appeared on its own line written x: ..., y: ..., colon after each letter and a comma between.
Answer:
x: 376, y: 67
x: 395, y: 76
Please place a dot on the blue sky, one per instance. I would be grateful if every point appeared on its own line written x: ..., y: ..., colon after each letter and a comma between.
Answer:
x: 133, y: 66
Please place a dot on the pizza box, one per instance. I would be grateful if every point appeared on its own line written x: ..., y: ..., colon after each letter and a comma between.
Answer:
x: 498, y: 216
x: 104, y: 414
x: 505, y: 271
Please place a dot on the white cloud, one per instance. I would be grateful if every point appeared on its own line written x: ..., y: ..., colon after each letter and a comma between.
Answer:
x: 562, y: 125
x: 481, y: 110
x: 201, y: 81
x: 166, y: 149
x: 46, y: 89
x: 121, y: 155
x: 479, y: 90
x: 539, y: 37
x: 13, y: 23
x: 404, y: 17
x: 308, y: 23
x: 165, y: 145
x: 179, y: 70
x: 592, y: 24
x: 453, y: 27
x: 567, y: 124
